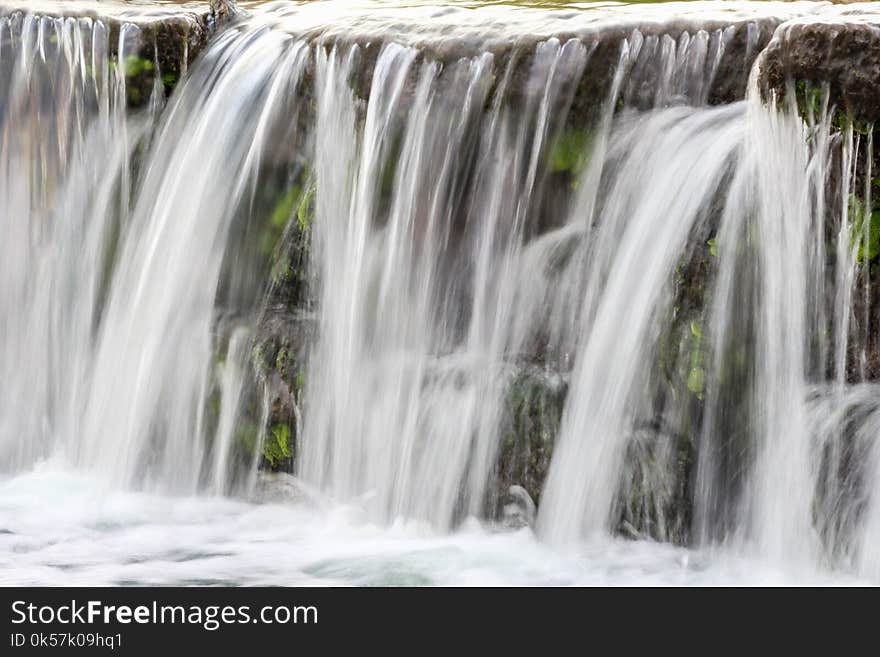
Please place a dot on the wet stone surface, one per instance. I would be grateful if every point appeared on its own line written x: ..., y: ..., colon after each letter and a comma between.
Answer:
x: 159, y: 40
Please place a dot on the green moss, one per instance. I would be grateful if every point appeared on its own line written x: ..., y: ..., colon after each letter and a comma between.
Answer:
x: 870, y: 249
x: 139, y: 77
x: 713, y: 247
x: 286, y: 243
x: 696, y: 378
x: 135, y: 65
x: 571, y: 151
x: 285, y: 362
x: 305, y: 210
x: 284, y: 208
x: 278, y: 218
x: 868, y: 245
x: 276, y: 447
x: 299, y: 382
x: 696, y: 381
x: 810, y: 99
x: 294, y: 202
x: 843, y: 121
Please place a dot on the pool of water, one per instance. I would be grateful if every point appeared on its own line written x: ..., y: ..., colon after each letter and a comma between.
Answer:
x: 59, y: 528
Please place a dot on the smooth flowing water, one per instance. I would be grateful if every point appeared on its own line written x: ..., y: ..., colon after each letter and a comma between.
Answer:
x: 599, y: 275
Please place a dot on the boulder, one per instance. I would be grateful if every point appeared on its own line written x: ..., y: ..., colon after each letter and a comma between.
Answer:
x: 840, y: 48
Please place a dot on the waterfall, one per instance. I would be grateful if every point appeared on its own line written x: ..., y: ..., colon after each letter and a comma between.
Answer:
x: 639, y: 239
x: 150, y: 385
x: 63, y: 103
x: 430, y: 302
x: 423, y: 261
x: 128, y: 282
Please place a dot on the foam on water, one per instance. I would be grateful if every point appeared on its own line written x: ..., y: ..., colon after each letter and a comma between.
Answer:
x: 63, y: 529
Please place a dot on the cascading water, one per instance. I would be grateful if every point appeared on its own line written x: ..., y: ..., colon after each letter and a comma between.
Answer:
x: 127, y: 287
x: 153, y: 353
x: 429, y: 285
x: 417, y: 269
x: 63, y: 103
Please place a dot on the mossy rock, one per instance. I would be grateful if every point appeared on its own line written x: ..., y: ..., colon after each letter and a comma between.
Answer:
x: 842, y: 54
x: 532, y: 414
x: 163, y: 44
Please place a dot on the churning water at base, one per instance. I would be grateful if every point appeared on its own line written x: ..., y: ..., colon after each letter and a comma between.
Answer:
x: 63, y: 529
x: 485, y: 262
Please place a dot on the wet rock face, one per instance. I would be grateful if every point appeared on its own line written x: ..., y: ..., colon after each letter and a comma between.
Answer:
x: 280, y: 356
x: 158, y: 41
x: 844, y: 55
x: 839, y: 55
x: 174, y: 41
x: 177, y: 40
x: 533, y: 411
